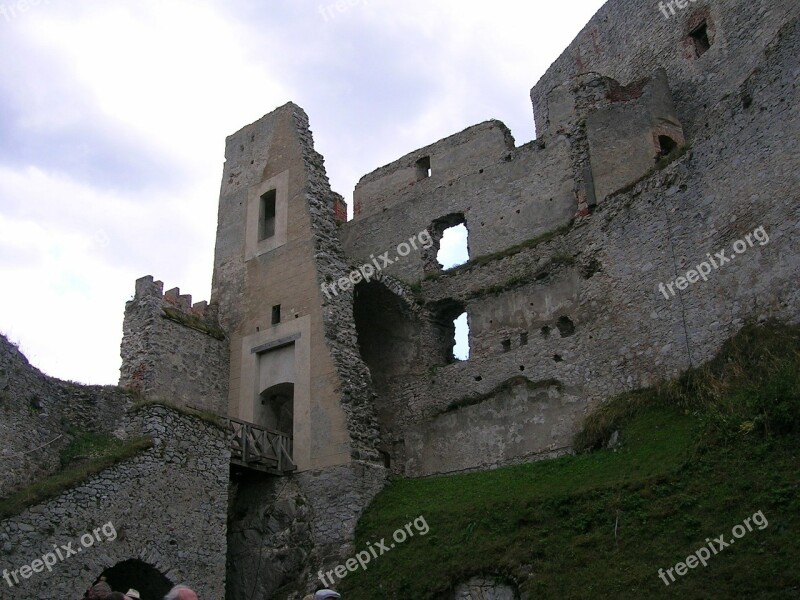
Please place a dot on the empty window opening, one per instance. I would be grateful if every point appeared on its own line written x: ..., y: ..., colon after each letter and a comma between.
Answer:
x: 454, y: 247
x: 546, y: 331
x: 424, y: 168
x: 266, y: 215
x: 666, y: 145
x: 700, y: 38
x: 461, y: 346
x: 276, y: 314
x: 523, y: 339
x: 565, y: 327
x: 506, y: 345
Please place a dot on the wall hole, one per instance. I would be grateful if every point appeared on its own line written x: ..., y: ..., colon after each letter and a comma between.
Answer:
x: 453, y: 247
x: 546, y: 331
x: 699, y: 36
x: 666, y: 145
x: 565, y: 326
x: 424, y: 168
x: 461, y: 345
x: 506, y: 345
x: 557, y: 358
x: 523, y: 338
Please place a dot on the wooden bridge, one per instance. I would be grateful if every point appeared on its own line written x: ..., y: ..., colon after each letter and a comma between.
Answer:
x: 259, y: 448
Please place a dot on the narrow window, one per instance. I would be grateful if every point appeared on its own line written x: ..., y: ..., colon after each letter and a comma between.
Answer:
x: 461, y: 346
x: 266, y: 216
x: 700, y: 38
x: 276, y: 314
x: 424, y: 168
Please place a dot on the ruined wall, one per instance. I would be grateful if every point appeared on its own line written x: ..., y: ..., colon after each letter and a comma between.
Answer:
x: 492, y: 189
x: 41, y: 415
x: 168, y: 507
x: 581, y: 313
x: 627, y: 40
x: 282, y: 531
x: 174, y: 350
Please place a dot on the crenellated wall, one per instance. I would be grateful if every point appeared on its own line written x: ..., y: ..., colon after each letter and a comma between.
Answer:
x: 174, y: 350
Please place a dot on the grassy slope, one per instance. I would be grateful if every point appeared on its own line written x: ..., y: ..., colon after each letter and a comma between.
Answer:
x: 698, y: 456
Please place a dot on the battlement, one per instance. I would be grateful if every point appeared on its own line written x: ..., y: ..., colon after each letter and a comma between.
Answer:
x: 147, y: 287
x: 173, y: 348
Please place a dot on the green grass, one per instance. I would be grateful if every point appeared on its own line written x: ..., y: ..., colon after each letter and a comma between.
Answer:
x: 697, y: 456
x: 100, y: 453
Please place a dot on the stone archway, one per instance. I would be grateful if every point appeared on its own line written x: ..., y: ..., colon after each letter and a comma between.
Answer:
x: 149, y: 581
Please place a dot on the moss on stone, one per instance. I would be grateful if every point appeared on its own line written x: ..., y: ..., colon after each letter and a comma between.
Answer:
x: 71, y: 477
x: 193, y: 322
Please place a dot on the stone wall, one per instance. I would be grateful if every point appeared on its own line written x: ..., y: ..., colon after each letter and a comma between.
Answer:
x: 174, y: 350
x: 282, y: 531
x: 167, y: 508
x: 582, y: 308
x: 41, y: 415
x: 491, y: 192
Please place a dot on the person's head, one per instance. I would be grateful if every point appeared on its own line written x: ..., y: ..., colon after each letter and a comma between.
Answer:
x: 326, y: 595
x: 99, y: 591
x: 132, y: 594
x: 180, y: 592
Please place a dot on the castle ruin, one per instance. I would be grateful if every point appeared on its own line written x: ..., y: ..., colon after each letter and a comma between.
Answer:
x: 660, y: 142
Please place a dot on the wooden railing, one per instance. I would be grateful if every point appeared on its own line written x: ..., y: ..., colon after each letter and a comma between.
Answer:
x: 260, y: 448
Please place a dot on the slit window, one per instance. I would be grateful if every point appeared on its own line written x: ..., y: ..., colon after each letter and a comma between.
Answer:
x: 276, y: 314
x: 699, y: 36
x: 266, y: 215
x: 461, y: 345
x: 424, y: 168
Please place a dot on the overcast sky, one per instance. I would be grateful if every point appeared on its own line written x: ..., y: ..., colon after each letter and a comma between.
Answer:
x: 113, y: 118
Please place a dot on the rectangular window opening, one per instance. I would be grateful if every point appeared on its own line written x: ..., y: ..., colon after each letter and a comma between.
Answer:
x: 276, y: 314
x: 700, y: 38
x: 424, y: 168
x: 266, y: 215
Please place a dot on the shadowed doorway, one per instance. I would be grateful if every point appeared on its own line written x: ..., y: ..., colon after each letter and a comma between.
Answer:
x: 149, y: 581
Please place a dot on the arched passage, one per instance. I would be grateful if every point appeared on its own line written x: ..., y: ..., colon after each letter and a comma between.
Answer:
x: 149, y: 581
x: 277, y: 404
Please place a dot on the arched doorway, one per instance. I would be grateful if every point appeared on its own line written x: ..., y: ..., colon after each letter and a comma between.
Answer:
x: 277, y: 404
x: 149, y: 581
